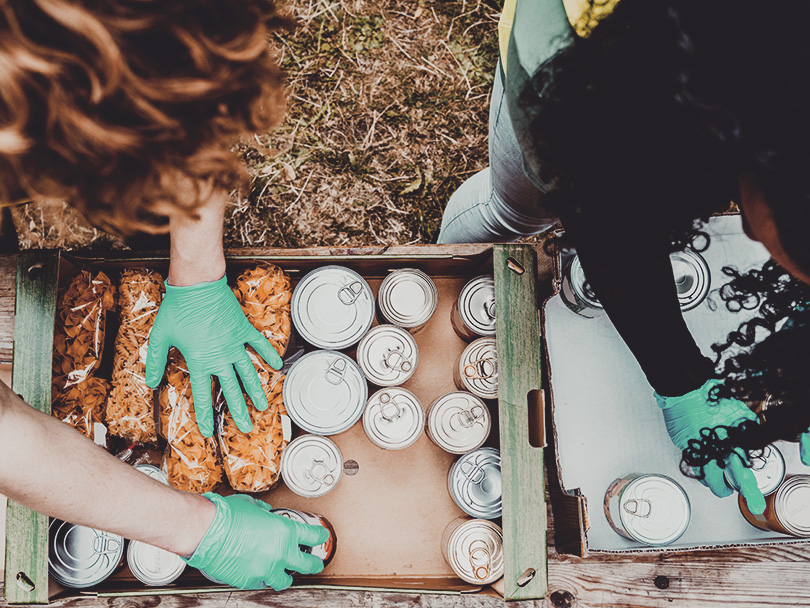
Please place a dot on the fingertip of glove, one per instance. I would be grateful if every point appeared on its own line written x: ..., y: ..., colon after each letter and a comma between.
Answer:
x: 756, y: 504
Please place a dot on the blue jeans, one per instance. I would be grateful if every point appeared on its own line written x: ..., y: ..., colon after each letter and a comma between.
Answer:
x: 498, y: 203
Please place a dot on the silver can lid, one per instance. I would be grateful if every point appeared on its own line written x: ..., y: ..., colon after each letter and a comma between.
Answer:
x: 692, y: 277
x: 291, y: 514
x: 478, y: 368
x: 476, y: 305
x: 81, y: 557
x: 580, y: 284
x: 475, y: 483
x: 324, y: 549
x: 459, y: 422
x: 325, y: 392
x: 153, y: 566
x: 311, y: 466
x: 388, y: 355
x: 768, y: 467
x: 394, y: 418
x: 153, y: 472
x: 654, y: 510
x: 332, y: 307
x: 792, y: 505
x: 407, y: 297
x: 475, y: 552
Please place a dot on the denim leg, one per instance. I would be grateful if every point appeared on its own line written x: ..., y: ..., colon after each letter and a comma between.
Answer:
x: 498, y: 203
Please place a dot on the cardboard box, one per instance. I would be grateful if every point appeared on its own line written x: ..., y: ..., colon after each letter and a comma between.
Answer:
x: 607, y: 424
x: 389, y: 516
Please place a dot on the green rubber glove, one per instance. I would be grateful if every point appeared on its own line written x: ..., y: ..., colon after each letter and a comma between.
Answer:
x: 206, y: 323
x: 249, y: 547
x: 685, y: 416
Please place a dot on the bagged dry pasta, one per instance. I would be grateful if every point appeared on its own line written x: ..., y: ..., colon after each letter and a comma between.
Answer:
x: 264, y: 293
x: 253, y: 460
x: 77, y: 395
x: 191, y: 460
x: 130, y: 407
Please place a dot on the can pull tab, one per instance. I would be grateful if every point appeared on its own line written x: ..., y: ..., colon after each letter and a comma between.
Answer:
x: 467, y: 418
x: 638, y: 507
x: 489, y: 308
x: 320, y: 473
x: 390, y: 410
x: 480, y: 559
x: 348, y: 294
x: 396, y: 359
x: 473, y: 472
x: 104, y: 545
x: 482, y: 369
x: 335, y: 372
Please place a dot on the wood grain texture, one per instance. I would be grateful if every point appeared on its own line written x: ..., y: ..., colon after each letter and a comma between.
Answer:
x: 8, y: 272
x: 26, y: 530
x: 523, y: 482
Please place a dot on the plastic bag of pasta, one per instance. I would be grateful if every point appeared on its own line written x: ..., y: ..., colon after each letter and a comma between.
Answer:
x: 130, y: 408
x: 253, y: 460
x: 82, y: 405
x: 191, y: 460
x: 264, y: 293
x: 78, y: 341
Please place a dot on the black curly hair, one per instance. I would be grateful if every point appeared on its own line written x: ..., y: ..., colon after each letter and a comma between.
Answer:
x: 764, y: 363
x: 657, y: 114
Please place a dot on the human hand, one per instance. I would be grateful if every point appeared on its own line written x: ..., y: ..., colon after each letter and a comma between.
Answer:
x: 206, y: 322
x: 686, y: 415
x: 249, y: 547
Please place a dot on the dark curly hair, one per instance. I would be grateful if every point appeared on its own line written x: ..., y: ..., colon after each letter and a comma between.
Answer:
x: 764, y: 363
x: 659, y: 111
x: 128, y: 110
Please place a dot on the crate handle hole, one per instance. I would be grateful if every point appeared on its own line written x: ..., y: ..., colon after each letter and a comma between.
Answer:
x: 536, y: 411
x: 515, y: 266
x: 35, y: 269
x: 25, y: 583
x: 525, y: 578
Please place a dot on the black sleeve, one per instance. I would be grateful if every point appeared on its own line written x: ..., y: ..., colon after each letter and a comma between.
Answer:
x: 632, y: 276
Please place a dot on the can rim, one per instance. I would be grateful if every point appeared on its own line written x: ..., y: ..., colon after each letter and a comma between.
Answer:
x: 386, y: 306
x: 496, y: 507
x: 57, y: 530
x: 579, y: 282
x: 370, y: 371
x: 701, y: 273
x: 480, y: 282
x: 439, y: 438
x: 647, y: 540
x: 328, y: 446
x: 412, y: 436
x: 773, y: 485
x: 462, y: 532
x: 783, y: 494
x: 135, y: 554
x: 485, y: 387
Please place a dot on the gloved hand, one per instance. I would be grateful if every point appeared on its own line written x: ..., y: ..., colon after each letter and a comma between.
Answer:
x: 206, y: 322
x: 685, y: 416
x: 249, y: 547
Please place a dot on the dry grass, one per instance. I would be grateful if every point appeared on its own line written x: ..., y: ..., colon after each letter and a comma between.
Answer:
x: 387, y: 115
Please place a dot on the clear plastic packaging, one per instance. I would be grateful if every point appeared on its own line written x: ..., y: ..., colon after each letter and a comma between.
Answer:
x: 78, y: 397
x: 264, y: 293
x: 130, y: 408
x: 191, y: 460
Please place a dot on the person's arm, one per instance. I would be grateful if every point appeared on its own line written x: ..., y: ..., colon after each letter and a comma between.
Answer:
x: 49, y: 467
x: 197, y: 254
x: 631, y: 274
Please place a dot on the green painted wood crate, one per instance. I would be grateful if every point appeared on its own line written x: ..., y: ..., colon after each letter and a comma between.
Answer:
x: 519, y: 415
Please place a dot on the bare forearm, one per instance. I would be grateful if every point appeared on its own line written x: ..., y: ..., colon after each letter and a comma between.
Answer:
x: 49, y: 467
x: 196, y: 244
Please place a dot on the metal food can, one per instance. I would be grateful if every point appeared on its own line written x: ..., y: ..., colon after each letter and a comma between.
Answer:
x: 787, y: 510
x: 81, y: 557
x: 473, y: 314
x: 153, y: 566
x: 332, y: 307
x: 326, y: 551
x: 394, y: 418
x: 458, y: 422
x: 477, y: 369
x: 473, y: 548
x: 325, y: 392
x: 154, y: 472
x: 311, y: 466
x: 692, y: 278
x: 407, y: 298
x: 388, y: 355
x: 649, y: 509
x: 768, y: 467
x: 474, y: 483
x: 576, y: 292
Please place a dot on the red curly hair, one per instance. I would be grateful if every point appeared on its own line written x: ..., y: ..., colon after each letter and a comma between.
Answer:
x: 118, y: 106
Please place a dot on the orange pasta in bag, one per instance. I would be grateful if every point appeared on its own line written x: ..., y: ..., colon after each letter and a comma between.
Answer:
x: 191, y: 459
x: 130, y: 408
x: 264, y: 293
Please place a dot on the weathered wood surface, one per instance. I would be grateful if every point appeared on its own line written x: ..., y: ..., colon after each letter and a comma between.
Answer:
x: 750, y: 577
